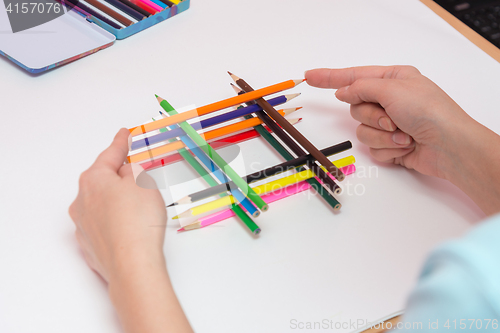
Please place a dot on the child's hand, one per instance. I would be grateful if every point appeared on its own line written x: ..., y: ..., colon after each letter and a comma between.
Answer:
x: 405, y: 118
x: 120, y: 226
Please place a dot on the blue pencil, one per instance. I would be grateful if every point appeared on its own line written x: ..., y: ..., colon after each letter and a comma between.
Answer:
x: 237, y: 194
x: 209, y: 122
x: 159, y: 3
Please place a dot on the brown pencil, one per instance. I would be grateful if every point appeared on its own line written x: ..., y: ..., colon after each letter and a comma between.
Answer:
x: 102, y: 7
x: 301, y: 139
x: 328, y: 182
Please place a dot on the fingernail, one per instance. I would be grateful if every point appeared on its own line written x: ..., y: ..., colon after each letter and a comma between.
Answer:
x: 386, y: 124
x: 401, y: 138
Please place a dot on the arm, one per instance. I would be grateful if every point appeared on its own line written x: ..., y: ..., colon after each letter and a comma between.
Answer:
x: 406, y: 119
x: 121, y: 228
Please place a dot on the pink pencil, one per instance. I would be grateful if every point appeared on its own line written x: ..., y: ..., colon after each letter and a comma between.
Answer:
x: 152, y: 5
x: 268, y: 198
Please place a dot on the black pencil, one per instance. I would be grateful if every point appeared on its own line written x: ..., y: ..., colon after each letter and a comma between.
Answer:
x: 168, y: 3
x: 301, y: 139
x: 328, y: 182
x: 262, y: 174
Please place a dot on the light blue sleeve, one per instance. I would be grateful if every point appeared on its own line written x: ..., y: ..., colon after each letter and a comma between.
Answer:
x: 459, y: 288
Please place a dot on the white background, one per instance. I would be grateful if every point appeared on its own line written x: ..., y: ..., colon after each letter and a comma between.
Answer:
x: 308, y: 264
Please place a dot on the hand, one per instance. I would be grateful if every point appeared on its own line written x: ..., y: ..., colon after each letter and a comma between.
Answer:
x: 118, y: 223
x: 405, y: 118
x: 121, y: 230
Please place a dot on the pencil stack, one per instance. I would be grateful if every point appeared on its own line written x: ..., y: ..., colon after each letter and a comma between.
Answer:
x: 247, y: 115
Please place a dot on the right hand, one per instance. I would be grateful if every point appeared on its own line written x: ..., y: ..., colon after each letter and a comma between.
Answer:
x: 405, y: 118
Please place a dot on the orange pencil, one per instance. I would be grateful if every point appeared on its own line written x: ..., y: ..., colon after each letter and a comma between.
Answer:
x: 213, y: 107
x: 149, y: 154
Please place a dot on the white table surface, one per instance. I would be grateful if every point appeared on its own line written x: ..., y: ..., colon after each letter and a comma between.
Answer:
x: 308, y: 264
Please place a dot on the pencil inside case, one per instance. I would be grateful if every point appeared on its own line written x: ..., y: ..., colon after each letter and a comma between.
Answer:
x: 141, y: 24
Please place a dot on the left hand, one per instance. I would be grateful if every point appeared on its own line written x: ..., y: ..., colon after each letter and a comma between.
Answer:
x: 119, y: 225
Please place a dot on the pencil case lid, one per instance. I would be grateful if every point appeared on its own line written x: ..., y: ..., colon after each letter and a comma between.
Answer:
x: 64, y: 39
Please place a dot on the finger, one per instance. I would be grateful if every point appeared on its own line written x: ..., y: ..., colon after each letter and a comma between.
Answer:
x: 375, y: 138
x: 114, y: 156
x: 379, y: 91
x: 337, y: 78
x: 372, y: 115
x: 389, y: 154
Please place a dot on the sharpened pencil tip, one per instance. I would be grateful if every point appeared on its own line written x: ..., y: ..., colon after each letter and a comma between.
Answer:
x: 181, y: 229
x: 228, y: 72
x: 175, y: 217
x: 156, y: 95
x: 172, y: 204
x: 234, y: 77
x: 298, y: 108
x: 236, y: 88
x: 159, y: 99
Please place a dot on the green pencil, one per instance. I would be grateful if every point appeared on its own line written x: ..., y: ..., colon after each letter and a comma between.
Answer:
x: 254, y: 228
x: 214, y: 156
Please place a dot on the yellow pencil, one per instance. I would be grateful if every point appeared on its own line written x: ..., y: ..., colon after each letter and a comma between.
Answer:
x: 262, y: 189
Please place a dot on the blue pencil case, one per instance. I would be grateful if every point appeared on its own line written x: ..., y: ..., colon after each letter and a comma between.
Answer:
x: 69, y: 37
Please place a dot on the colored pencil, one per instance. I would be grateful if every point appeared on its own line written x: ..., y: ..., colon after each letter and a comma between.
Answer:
x: 176, y: 1
x: 214, y: 156
x: 144, y: 7
x: 136, y: 8
x: 159, y: 4
x: 261, y: 190
x: 296, y: 149
x: 262, y: 174
x: 216, y: 144
x: 216, y: 120
x: 154, y: 139
x: 142, y: 129
x: 237, y: 210
x: 152, y: 5
x: 240, y: 197
x: 168, y: 3
x: 225, y: 214
x: 301, y: 139
x: 92, y: 12
x: 126, y: 9
x: 164, y: 149
x: 326, y: 195
x: 120, y: 18
x: 269, y: 198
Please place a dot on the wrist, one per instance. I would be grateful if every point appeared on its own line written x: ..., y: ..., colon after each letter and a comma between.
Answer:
x: 473, y: 164
x: 136, y: 266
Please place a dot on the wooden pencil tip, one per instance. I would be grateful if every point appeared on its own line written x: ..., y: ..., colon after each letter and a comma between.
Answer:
x: 181, y: 229
x: 228, y: 72
x: 159, y: 99
x: 172, y: 204
x: 298, y: 108
x: 236, y: 88
x: 234, y: 77
x: 175, y: 217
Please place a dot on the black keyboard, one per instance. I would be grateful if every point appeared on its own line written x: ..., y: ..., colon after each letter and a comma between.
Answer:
x: 483, y: 16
